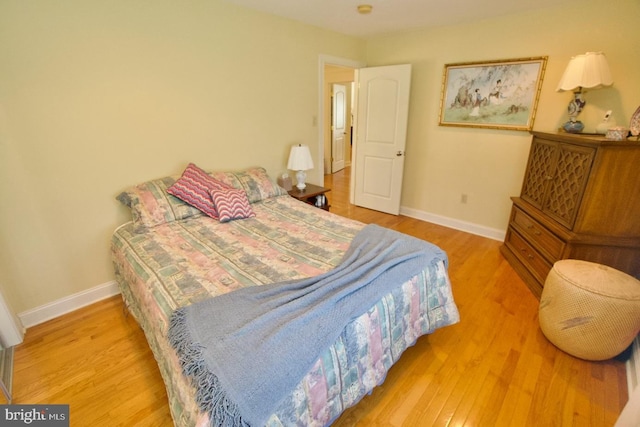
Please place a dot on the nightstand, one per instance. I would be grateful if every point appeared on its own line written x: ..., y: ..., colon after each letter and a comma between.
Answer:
x: 308, y: 195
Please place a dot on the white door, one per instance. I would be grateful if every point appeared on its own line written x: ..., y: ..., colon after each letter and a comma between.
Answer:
x: 381, y: 130
x: 338, y: 127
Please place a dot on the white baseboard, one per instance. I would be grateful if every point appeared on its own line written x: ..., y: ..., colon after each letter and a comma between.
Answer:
x: 456, y: 224
x: 73, y: 302
x: 68, y: 304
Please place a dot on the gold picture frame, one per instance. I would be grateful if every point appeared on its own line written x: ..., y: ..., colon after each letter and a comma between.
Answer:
x: 492, y: 94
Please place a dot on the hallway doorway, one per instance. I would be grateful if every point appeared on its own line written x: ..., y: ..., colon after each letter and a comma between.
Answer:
x: 334, y: 70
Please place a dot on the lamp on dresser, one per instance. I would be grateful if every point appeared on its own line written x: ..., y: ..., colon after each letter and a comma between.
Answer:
x: 300, y: 161
x: 587, y: 71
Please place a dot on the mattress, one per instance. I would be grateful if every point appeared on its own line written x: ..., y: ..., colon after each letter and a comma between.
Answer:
x: 177, y: 263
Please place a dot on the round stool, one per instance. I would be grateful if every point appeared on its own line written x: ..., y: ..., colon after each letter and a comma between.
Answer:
x: 589, y: 310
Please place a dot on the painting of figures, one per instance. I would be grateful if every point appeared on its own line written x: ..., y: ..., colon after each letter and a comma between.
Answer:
x: 497, y: 94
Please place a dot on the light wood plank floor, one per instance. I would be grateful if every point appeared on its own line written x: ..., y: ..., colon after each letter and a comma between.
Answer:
x: 494, y: 368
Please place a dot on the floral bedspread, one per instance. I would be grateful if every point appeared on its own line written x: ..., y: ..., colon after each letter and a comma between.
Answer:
x: 181, y: 262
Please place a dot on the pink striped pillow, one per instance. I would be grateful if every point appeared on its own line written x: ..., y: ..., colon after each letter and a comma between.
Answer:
x: 231, y: 204
x: 194, y: 187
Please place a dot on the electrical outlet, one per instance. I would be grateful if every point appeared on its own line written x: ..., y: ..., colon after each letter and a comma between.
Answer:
x: 463, y: 198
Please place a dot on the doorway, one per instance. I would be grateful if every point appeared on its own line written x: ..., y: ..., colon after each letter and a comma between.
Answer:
x: 335, y: 71
x: 380, y: 138
x: 338, y: 103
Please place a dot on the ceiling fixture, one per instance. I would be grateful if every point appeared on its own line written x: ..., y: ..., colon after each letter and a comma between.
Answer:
x: 364, y: 9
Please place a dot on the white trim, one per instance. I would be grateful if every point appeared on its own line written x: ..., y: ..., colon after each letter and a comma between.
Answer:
x: 456, y: 224
x: 633, y: 366
x: 11, y: 329
x: 322, y: 61
x: 65, y: 305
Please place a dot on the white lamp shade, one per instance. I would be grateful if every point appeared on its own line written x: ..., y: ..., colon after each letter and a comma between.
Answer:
x: 589, y: 71
x: 300, y: 158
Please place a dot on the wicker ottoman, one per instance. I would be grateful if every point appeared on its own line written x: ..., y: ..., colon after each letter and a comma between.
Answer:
x: 589, y: 310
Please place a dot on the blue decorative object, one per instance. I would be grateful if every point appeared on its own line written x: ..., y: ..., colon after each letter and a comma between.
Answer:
x: 573, y: 127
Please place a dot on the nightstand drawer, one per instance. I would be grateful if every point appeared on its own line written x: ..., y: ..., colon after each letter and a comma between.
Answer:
x: 531, y: 258
x: 537, y: 234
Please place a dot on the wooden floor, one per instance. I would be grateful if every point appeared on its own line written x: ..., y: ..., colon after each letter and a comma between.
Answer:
x: 494, y: 368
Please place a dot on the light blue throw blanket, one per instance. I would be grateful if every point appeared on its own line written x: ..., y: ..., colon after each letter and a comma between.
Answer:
x: 248, y: 349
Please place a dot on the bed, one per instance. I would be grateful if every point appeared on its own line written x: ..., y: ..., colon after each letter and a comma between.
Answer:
x: 173, y: 255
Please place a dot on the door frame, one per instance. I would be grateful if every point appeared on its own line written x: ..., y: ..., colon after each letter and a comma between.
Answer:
x: 322, y: 61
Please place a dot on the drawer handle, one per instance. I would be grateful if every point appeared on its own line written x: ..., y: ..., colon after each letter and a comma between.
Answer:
x: 525, y: 252
x: 535, y: 231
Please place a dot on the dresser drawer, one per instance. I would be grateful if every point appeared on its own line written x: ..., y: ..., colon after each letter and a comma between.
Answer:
x: 531, y: 258
x: 537, y: 234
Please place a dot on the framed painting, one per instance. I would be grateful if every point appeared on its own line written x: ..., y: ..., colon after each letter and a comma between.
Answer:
x: 492, y: 94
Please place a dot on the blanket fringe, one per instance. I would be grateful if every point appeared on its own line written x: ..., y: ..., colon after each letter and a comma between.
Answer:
x: 210, y: 396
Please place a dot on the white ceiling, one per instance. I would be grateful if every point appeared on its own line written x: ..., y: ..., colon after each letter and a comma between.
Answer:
x: 390, y: 15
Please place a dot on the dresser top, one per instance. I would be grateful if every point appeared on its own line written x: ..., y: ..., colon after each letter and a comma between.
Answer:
x: 587, y: 139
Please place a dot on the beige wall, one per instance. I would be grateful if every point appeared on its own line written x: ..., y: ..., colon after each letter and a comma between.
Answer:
x: 96, y: 96
x: 488, y: 165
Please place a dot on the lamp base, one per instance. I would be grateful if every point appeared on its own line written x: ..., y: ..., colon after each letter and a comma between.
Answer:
x: 300, y: 177
x: 575, y: 107
x: 573, y: 127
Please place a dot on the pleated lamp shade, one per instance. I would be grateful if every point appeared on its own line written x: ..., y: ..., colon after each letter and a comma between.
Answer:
x: 587, y: 71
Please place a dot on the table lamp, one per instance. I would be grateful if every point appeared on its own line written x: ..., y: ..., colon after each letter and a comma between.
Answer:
x: 587, y: 71
x: 300, y: 161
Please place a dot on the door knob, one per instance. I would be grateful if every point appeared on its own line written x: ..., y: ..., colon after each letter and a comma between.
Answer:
x: 399, y: 153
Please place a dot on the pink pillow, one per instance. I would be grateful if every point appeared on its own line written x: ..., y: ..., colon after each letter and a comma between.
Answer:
x: 194, y: 187
x: 231, y: 204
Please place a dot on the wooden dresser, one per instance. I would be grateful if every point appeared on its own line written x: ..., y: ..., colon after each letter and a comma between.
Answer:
x: 580, y: 199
